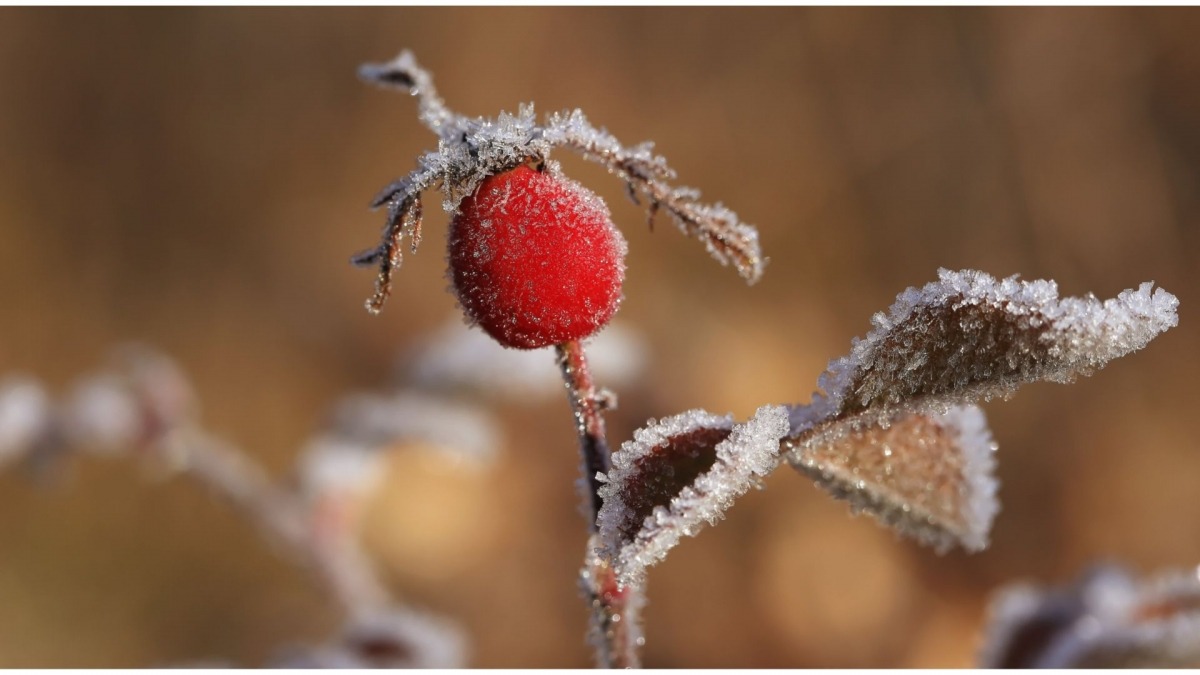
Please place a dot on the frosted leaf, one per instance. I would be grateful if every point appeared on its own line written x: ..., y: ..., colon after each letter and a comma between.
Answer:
x: 1105, y: 620
x: 926, y: 475
x: 678, y: 474
x: 103, y: 415
x: 969, y: 336
x: 457, y: 358
x: 25, y: 417
x: 471, y: 149
x: 397, y: 638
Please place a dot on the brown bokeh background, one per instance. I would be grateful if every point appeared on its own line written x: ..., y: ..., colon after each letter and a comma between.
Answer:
x: 197, y: 178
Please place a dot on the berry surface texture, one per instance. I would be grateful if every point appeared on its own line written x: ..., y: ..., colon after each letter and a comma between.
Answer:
x: 535, y: 260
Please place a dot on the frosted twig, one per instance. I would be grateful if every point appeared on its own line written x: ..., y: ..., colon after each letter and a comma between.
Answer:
x: 613, y: 625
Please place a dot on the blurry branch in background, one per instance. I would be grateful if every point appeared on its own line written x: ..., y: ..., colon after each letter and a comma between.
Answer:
x: 143, y: 407
x: 1105, y: 619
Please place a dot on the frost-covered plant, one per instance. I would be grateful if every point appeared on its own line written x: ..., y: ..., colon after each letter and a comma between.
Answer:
x: 894, y: 429
x: 1106, y: 619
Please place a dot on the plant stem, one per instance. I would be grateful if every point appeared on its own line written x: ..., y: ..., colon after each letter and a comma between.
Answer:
x: 325, y: 547
x: 614, y: 624
x: 589, y: 420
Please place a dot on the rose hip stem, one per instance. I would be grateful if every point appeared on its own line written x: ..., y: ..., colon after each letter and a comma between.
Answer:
x: 589, y: 419
x: 615, y: 639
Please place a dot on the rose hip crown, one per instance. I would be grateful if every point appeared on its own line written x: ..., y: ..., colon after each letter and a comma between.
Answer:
x: 534, y: 257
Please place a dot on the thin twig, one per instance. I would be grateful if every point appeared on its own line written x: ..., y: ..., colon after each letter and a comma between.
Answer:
x: 320, y: 543
x: 614, y: 623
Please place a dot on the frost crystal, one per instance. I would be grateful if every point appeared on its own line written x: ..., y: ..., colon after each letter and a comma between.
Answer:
x: 472, y: 149
x: 969, y: 336
x: 678, y: 474
x: 926, y: 475
x: 25, y: 417
x: 1105, y: 620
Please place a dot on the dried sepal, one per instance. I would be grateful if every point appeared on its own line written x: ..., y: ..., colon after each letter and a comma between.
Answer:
x: 928, y: 476
x: 725, y: 236
x: 405, y: 74
x: 403, y: 199
x: 970, y: 337
x: 678, y: 474
x: 1107, y: 619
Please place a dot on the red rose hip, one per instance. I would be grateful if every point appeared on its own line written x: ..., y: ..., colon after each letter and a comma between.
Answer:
x: 535, y: 259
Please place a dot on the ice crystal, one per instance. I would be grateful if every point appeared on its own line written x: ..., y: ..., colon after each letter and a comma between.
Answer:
x: 678, y: 474
x: 926, y: 475
x: 472, y: 149
x: 1107, y: 619
x: 969, y: 337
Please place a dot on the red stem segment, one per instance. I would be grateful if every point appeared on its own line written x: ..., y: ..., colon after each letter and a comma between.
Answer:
x: 589, y: 419
x: 614, y: 626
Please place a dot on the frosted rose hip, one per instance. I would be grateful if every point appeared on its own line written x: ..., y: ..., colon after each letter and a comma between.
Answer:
x: 535, y: 259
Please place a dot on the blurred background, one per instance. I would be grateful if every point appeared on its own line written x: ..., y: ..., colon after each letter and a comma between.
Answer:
x: 197, y: 179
